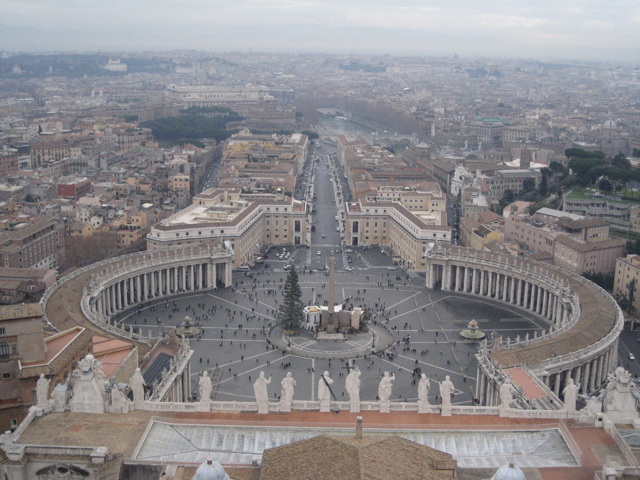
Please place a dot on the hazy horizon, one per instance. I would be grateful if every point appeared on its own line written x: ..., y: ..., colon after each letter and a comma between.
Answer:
x: 562, y: 30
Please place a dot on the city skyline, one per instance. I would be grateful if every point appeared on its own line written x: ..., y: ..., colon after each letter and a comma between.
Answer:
x: 582, y: 30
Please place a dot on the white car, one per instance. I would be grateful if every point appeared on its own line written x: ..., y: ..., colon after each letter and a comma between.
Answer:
x: 318, y: 252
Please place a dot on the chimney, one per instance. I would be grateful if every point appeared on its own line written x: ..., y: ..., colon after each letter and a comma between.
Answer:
x: 359, y: 428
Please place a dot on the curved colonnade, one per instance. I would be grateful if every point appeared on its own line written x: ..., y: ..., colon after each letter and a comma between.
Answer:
x: 584, y: 320
x: 93, y: 295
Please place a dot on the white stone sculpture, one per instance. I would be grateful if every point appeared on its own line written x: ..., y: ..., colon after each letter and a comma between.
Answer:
x: 619, y: 401
x: 570, y: 395
x: 119, y: 403
x: 204, y: 388
x: 60, y: 396
x: 423, y: 393
x: 506, y: 395
x: 324, y: 393
x: 288, y: 384
x: 352, y: 386
x: 262, y: 395
x: 137, y: 384
x: 384, y: 391
x: 88, y: 387
x: 42, y: 391
x: 446, y: 391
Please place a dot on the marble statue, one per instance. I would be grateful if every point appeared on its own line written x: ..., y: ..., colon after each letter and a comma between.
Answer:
x: 262, y: 395
x: 570, y: 395
x: 205, y: 387
x: 288, y: 384
x: 119, y: 403
x: 60, y: 396
x: 619, y: 400
x: 324, y: 393
x: 42, y: 391
x: 352, y: 386
x: 506, y: 394
x: 423, y: 392
x: 89, y: 387
x: 446, y: 391
x: 137, y: 384
x: 385, y: 387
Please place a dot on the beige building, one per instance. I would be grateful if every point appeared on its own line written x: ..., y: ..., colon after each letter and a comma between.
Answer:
x: 477, y: 232
x: 30, y: 242
x: 247, y: 222
x: 576, y: 243
x: 627, y: 270
x: 390, y: 224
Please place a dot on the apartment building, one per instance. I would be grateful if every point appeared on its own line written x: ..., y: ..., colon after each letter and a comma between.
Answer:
x: 49, y: 151
x: 627, y: 270
x: 573, y: 242
x: 248, y: 222
x: 476, y: 232
x: 31, y: 242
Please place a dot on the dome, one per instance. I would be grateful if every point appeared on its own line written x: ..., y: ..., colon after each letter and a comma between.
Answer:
x: 610, y: 124
x: 314, y: 309
x: 509, y: 472
x: 211, y: 470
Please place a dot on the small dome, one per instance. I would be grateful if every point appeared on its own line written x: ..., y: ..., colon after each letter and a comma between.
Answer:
x: 610, y: 124
x: 509, y: 472
x: 314, y: 309
x: 211, y: 470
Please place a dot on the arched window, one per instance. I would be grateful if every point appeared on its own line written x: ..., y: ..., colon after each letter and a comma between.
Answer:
x: 4, y: 349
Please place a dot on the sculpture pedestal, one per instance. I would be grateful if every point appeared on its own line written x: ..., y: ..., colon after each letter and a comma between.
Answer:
x: 263, y: 408
x: 285, y: 407
x: 354, y: 407
x: 204, y: 406
x: 424, y: 407
x: 385, y: 407
x: 325, y: 406
x: 620, y: 404
x: 504, y: 411
x: 445, y: 410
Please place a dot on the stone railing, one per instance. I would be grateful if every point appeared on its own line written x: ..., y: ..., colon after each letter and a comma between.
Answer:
x: 314, y: 405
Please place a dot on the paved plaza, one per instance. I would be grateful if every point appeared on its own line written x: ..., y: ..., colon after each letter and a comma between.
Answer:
x: 425, y: 325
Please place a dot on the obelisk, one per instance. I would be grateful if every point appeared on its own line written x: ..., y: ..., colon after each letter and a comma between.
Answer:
x: 332, y: 285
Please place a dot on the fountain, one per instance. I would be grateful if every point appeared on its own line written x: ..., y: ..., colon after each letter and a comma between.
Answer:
x: 187, y: 329
x: 472, y: 332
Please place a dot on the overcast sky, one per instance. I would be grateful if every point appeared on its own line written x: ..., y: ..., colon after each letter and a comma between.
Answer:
x: 581, y: 29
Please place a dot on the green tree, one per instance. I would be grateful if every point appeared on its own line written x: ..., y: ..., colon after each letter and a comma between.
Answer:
x: 528, y: 184
x: 627, y: 300
x: 310, y: 134
x: 621, y: 161
x: 291, y: 315
x: 543, y: 186
x: 581, y: 166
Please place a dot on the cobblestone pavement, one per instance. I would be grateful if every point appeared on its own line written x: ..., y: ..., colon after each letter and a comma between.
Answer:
x: 426, y: 325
